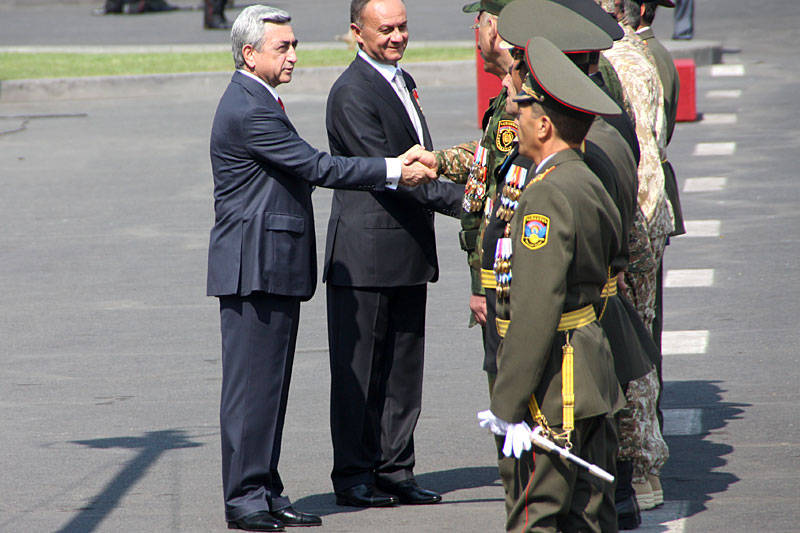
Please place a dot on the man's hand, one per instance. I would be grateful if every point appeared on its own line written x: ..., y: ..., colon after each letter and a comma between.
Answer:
x: 518, y: 439
x: 486, y: 419
x: 477, y: 304
x: 418, y: 153
x: 416, y: 174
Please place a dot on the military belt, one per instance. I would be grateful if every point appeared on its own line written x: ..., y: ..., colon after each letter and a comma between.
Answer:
x: 570, y: 320
x: 488, y: 279
x: 610, y: 288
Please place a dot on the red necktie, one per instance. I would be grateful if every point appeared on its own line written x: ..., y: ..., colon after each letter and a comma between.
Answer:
x: 281, y: 104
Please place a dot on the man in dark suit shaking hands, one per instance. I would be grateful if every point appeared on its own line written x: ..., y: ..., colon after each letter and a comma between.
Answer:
x: 379, y: 256
x: 261, y: 260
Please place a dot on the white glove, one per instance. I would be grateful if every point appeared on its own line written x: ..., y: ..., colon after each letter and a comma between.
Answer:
x: 518, y: 439
x: 486, y: 419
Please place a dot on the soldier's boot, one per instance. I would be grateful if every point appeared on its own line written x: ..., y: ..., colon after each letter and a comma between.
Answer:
x: 214, y: 15
x: 628, y: 516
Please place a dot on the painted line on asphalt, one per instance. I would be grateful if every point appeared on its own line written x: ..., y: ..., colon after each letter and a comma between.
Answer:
x: 684, y: 342
x: 708, y: 184
x: 682, y: 422
x: 703, y: 228
x: 721, y: 71
x: 668, y: 518
x: 724, y: 93
x: 719, y: 119
x: 715, y: 149
x: 690, y: 277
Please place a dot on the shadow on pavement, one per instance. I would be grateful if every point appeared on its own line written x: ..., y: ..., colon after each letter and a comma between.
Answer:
x: 152, y: 445
x: 693, y: 472
x: 443, y: 481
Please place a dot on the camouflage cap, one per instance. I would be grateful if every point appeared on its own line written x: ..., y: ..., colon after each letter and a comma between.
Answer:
x: 565, y: 28
x: 492, y: 6
x: 592, y: 12
x: 555, y: 81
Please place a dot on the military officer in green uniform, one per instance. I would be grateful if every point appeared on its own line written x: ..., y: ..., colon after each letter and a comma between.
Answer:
x: 474, y: 163
x: 555, y: 368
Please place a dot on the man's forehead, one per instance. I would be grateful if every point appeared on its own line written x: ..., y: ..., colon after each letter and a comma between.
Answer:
x: 386, y: 11
x: 278, y: 32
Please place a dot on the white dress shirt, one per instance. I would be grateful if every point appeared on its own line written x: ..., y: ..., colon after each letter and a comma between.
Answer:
x: 394, y: 75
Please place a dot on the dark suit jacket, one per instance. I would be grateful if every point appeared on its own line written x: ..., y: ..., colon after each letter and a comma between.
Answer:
x: 263, y: 235
x: 380, y: 239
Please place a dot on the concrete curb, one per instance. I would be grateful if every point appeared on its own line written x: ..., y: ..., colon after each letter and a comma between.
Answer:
x: 306, y: 80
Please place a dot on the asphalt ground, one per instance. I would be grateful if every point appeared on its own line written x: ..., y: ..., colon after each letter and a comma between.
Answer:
x: 110, y: 356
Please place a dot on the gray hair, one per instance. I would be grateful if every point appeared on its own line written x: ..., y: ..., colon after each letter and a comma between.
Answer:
x: 248, y: 28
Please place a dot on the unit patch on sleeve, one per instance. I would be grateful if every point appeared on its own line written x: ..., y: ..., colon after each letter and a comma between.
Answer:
x: 534, y: 231
x: 506, y: 133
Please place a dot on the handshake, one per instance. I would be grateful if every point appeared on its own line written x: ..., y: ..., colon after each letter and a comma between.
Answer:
x: 418, y: 166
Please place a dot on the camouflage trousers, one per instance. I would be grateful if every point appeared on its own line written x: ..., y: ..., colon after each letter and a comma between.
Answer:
x: 641, y: 289
x: 640, y: 439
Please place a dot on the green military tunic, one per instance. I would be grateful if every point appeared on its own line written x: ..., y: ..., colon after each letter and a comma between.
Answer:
x: 564, y: 234
x: 478, y: 172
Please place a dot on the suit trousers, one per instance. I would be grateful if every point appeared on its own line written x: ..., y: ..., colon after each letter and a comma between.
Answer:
x: 684, y: 19
x: 376, y: 338
x: 545, y: 493
x: 259, y: 332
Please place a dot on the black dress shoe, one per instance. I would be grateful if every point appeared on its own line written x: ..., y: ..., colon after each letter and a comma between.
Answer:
x: 291, y: 517
x: 260, y: 521
x: 409, y: 493
x: 628, y: 516
x: 363, y: 495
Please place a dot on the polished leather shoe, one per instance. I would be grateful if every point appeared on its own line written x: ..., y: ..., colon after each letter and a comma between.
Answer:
x: 260, y: 521
x: 409, y: 493
x: 628, y: 516
x: 363, y: 495
x: 291, y: 517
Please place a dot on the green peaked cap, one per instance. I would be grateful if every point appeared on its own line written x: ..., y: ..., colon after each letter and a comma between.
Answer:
x: 565, y: 28
x: 555, y: 81
x: 492, y: 6
x: 595, y: 14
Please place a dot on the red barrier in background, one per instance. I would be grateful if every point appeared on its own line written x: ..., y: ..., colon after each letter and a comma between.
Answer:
x: 489, y: 85
x: 687, y: 108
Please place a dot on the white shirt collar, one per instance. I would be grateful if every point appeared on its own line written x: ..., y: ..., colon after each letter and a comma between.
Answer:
x: 387, y: 71
x: 269, y: 87
x: 541, y: 165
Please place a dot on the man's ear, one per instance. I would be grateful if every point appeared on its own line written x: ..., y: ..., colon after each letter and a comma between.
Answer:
x: 355, y: 29
x: 247, y: 54
x: 545, y: 130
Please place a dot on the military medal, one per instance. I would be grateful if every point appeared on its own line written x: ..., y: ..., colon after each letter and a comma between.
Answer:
x: 475, y: 188
x: 515, y: 178
x: 502, y: 266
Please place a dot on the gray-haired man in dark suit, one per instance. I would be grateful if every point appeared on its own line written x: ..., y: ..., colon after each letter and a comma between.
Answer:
x: 261, y: 260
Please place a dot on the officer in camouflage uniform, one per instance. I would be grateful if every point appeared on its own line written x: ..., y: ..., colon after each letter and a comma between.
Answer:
x: 554, y: 364
x: 641, y: 440
x: 474, y: 163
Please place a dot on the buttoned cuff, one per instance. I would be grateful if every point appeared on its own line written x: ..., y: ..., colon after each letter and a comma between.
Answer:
x: 394, y: 170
